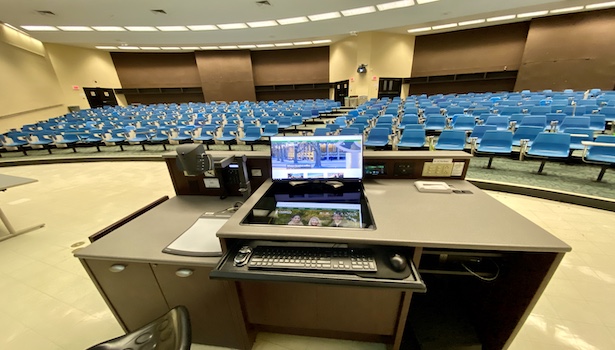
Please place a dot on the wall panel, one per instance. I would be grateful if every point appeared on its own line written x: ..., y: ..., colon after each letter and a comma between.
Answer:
x: 143, y: 70
x: 226, y: 75
x: 486, y: 49
x: 574, y: 51
x: 292, y: 66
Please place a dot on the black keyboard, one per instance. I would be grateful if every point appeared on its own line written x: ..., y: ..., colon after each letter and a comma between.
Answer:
x: 312, y: 258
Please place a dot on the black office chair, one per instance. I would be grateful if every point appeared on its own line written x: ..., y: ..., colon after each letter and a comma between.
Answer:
x: 169, y: 332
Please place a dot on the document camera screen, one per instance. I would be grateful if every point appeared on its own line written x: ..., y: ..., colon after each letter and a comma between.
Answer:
x: 318, y: 214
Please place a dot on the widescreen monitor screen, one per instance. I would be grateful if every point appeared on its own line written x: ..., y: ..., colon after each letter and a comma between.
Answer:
x: 299, y: 158
x: 318, y: 214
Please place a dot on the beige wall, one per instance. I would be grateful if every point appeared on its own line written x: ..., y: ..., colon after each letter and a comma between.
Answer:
x: 81, y: 67
x: 29, y: 88
x: 385, y: 54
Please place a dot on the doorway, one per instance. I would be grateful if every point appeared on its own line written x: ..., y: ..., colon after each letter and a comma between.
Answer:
x: 341, y: 91
x: 100, y: 97
x: 389, y: 87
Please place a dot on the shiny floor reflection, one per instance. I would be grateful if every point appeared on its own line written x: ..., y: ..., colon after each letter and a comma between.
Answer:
x: 47, y: 301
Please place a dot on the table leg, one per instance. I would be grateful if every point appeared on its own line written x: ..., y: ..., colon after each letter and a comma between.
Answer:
x: 11, y: 229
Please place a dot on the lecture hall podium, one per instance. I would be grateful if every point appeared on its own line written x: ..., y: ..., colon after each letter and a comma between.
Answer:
x: 477, y: 280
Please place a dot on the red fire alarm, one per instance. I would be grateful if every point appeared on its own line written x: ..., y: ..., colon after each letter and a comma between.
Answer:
x: 374, y: 78
x: 76, y: 87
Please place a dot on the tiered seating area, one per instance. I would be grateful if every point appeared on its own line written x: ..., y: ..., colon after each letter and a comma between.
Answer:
x: 164, y: 124
x: 512, y: 120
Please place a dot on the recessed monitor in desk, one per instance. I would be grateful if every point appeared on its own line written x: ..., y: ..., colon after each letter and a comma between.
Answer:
x: 318, y: 214
x: 305, y: 158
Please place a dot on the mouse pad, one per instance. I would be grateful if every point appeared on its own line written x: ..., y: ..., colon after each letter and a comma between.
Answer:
x: 385, y: 271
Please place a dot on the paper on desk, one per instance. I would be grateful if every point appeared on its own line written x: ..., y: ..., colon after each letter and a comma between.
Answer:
x: 199, y: 240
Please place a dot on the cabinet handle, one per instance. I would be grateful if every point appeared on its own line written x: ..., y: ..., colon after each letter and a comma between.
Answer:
x: 117, y: 268
x: 184, y: 272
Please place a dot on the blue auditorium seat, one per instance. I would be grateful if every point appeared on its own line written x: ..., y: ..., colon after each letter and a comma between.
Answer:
x: 601, y: 151
x: 549, y: 145
x: 495, y: 142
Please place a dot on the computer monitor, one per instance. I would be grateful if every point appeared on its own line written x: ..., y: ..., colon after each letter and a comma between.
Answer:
x: 318, y: 214
x: 306, y: 158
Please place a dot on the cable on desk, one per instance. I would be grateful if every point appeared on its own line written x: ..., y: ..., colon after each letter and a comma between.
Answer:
x: 487, y: 279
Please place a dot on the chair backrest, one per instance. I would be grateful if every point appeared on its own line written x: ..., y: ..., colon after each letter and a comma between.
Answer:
x: 252, y: 131
x: 350, y: 131
x: 602, y: 153
x: 480, y: 130
x: 526, y: 132
x: 435, y: 122
x: 540, y: 110
x: 452, y: 138
x: 465, y: 122
x: 378, y: 133
x: 172, y: 331
x: 534, y: 120
x: 578, y: 135
x: 500, y: 121
x: 574, y: 122
x: 502, y: 139
x: 413, y: 136
x: 596, y: 121
x: 552, y: 142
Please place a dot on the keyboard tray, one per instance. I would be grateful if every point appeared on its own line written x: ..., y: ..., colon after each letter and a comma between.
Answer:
x: 385, y: 277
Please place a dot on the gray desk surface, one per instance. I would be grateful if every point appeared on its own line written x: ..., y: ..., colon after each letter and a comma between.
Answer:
x: 8, y: 181
x: 403, y: 216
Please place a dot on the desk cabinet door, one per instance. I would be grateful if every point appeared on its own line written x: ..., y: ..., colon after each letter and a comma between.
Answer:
x: 213, y: 305
x: 130, y: 289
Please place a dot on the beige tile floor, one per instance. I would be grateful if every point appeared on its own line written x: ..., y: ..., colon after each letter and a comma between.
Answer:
x: 48, y: 302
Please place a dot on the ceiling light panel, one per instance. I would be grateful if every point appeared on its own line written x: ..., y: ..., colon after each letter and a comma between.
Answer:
x: 209, y: 48
x: 444, y: 26
x: 150, y: 48
x: 600, y: 5
x: 201, y: 27
x: 567, y: 9
x: 172, y: 28
x: 394, y: 5
x: 301, y: 43
x: 75, y: 28
x: 265, y: 45
x: 228, y: 47
x: 321, y: 41
x: 293, y: 20
x: 171, y: 48
x: 40, y: 28
x: 324, y: 16
x: 109, y: 29
x: 141, y: 29
x: 106, y: 47
x: 246, y: 46
x: 283, y: 44
x: 532, y: 14
x: 421, y: 2
x: 468, y: 23
x: 228, y: 26
x: 418, y: 30
x: 190, y: 48
x: 359, y: 11
x: 501, y: 18
x: 262, y: 24
x: 128, y: 48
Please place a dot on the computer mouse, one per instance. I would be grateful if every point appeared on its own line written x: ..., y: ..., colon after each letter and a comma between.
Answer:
x: 398, y: 262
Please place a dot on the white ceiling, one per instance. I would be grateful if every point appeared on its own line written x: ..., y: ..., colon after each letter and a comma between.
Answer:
x: 214, y: 12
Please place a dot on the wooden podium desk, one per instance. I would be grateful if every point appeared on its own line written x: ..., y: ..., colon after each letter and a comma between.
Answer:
x: 484, y: 262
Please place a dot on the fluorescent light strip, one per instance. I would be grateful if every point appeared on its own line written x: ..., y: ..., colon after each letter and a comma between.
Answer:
x: 395, y: 5
x: 324, y: 16
x: 209, y: 48
x: 229, y: 47
x: 75, y: 28
x: 171, y: 48
x: 265, y: 45
x: 283, y: 44
x: 172, y: 28
x: 107, y: 47
x: 190, y: 47
x: 299, y: 43
x: 418, y: 30
x: 228, y: 26
x: 128, y: 48
x: 40, y: 28
x: 293, y: 20
x: 202, y: 27
x: 532, y: 14
x: 150, y: 48
x: 246, y: 46
x: 109, y: 29
x: 444, y: 26
x: 262, y: 24
x: 467, y: 23
x: 600, y: 5
x: 316, y: 42
x: 359, y: 11
x: 500, y: 18
x: 141, y: 29
x: 567, y: 9
x: 421, y: 2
